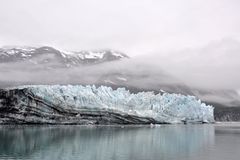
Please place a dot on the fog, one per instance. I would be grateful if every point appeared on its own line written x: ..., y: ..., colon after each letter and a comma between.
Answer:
x: 127, y: 71
x: 215, y: 66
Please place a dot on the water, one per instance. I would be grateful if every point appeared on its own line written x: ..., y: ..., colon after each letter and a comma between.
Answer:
x: 170, y: 142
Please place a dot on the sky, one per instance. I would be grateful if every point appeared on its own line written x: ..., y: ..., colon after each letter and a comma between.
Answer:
x: 196, y: 40
x: 135, y: 27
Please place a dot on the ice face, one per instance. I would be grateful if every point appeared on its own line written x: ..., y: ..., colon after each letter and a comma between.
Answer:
x: 165, y: 108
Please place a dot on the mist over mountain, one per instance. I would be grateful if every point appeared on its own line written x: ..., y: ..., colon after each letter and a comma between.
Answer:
x: 48, y: 65
x: 50, y: 56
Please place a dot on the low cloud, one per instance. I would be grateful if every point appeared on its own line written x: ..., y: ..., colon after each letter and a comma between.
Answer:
x: 215, y: 66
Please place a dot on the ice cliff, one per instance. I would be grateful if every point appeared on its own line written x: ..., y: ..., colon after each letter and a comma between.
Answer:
x: 58, y: 104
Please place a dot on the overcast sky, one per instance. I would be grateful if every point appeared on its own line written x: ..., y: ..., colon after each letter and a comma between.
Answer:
x: 195, y: 40
x: 132, y: 26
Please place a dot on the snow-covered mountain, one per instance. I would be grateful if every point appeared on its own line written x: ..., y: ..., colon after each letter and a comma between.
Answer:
x: 47, y: 55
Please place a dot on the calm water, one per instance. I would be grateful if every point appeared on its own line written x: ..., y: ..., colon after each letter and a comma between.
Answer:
x: 170, y: 142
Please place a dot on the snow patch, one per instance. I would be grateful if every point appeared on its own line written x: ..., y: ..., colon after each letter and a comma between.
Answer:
x: 109, y: 81
x: 94, y: 55
x: 117, y: 54
x: 122, y: 79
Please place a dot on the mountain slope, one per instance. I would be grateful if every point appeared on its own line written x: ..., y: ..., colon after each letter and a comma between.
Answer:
x: 47, y: 55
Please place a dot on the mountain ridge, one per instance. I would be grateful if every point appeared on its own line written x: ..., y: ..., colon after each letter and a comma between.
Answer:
x: 46, y: 54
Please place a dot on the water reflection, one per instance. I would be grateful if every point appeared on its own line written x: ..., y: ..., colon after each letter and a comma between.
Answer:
x: 103, y: 143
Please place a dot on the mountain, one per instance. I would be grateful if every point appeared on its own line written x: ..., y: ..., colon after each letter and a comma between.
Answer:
x: 49, y: 55
x: 135, y: 82
x: 48, y: 65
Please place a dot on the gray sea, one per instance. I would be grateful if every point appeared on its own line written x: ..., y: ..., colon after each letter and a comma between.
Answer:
x: 219, y: 141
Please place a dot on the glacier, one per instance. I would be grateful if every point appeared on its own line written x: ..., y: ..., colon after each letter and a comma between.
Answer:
x: 78, y: 104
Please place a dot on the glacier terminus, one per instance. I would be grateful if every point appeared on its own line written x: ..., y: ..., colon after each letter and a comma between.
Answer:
x: 78, y: 104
